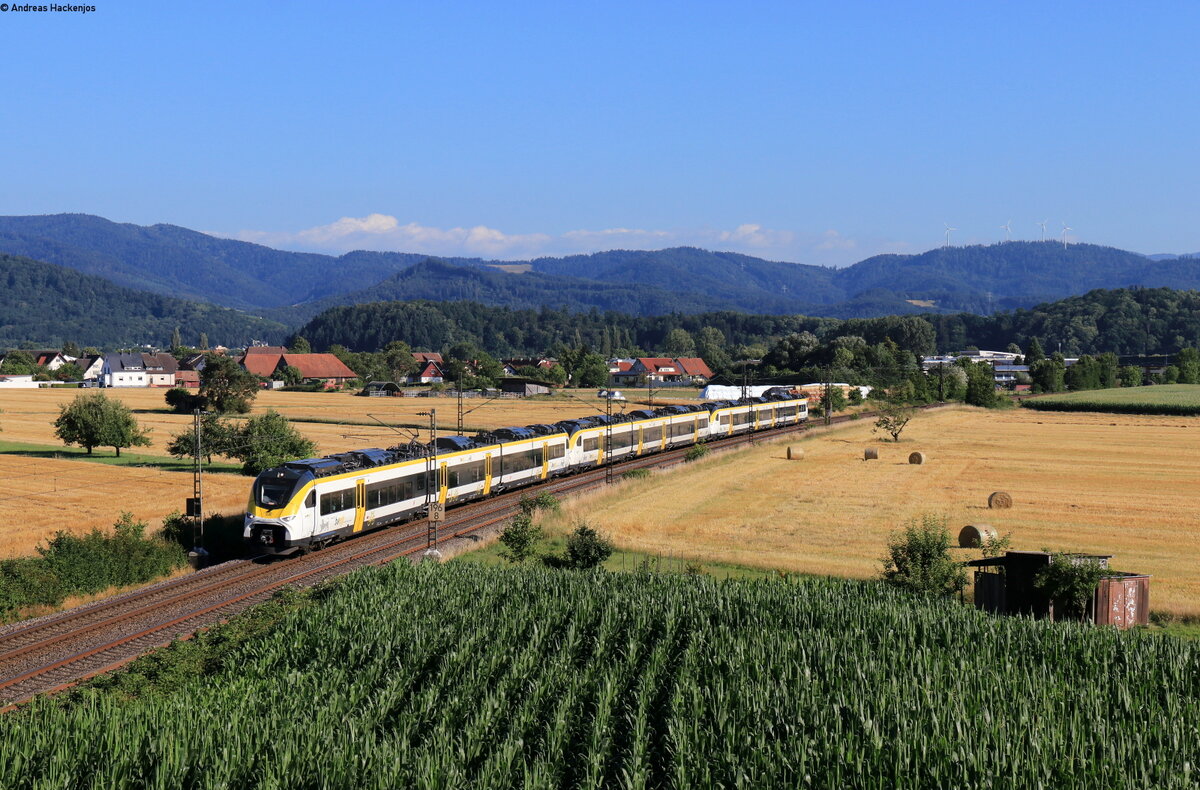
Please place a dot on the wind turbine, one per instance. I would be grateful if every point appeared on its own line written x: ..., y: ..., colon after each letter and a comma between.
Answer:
x: 1007, y: 228
x: 948, y: 229
x: 1065, y: 229
x: 1043, y: 224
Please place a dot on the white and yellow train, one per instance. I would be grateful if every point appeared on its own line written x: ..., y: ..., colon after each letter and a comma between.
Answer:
x: 316, y: 501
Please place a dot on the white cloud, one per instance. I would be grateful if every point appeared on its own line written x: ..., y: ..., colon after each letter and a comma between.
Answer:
x: 382, y: 232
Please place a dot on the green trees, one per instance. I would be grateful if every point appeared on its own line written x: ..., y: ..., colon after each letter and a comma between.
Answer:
x: 226, y: 386
x: 265, y: 441
x: 93, y: 420
x: 919, y: 561
x: 1130, y: 376
x: 981, y: 384
x: 1034, y: 352
x: 216, y: 438
x: 1048, y: 375
x: 1188, y: 362
x: 679, y: 343
x: 300, y: 345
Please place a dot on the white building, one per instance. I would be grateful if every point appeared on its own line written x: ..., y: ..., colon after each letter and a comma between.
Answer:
x: 123, y: 370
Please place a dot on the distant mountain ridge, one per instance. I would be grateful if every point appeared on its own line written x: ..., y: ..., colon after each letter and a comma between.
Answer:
x: 49, y: 305
x: 293, y: 286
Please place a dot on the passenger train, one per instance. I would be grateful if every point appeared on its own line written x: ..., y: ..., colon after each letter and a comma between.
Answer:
x: 317, y: 501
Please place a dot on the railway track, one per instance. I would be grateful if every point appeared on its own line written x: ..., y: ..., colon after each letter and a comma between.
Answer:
x: 55, y: 652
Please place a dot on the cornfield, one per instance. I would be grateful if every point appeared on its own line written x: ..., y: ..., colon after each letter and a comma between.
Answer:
x: 469, y: 676
x: 1179, y: 400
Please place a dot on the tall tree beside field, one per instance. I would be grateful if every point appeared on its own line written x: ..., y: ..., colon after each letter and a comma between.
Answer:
x: 226, y: 386
x: 981, y: 384
x: 300, y: 346
x: 1048, y: 375
x: 893, y: 417
x: 93, y: 420
x: 176, y: 339
x: 1188, y: 362
x: 266, y: 441
x: 679, y: 343
x: 204, y: 341
x: 1084, y: 374
x: 1034, y: 352
x: 216, y: 438
x: 1131, y: 376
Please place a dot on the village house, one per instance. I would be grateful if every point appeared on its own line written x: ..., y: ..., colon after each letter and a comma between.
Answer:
x: 123, y: 370
x: 660, y: 370
x: 161, y: 369
x: 325, y: 368
x: 429, y: 372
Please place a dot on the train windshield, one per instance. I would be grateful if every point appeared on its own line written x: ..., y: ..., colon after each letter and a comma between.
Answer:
x: 274, y: 487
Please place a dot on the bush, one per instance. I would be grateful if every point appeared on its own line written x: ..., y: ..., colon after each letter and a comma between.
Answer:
x: 587, y: 548
x: 918, y: 559
x: 543, y: 501
x: 1070, y: 583
x: 183, y: 401
x: 73, y: 564
x: 636, y: 474
x: 520, y: 537
x: 696, y: 452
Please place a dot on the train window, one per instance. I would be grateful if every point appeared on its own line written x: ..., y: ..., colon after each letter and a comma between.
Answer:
x: 703, y: 422
x: 725, y: 420
x: 522, y: 461
x: 466, y: 474
x: 557, y: 450
x: 312, y: 499
x: 591, y: 444
x: 335, y: 501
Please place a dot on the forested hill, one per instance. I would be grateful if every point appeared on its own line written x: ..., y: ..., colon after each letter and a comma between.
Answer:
x: 179, y: 262
x: 48, y: 305
x: 1125, y: 321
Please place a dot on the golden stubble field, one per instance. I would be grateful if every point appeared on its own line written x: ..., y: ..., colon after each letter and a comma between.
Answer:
x: 1105, y: 484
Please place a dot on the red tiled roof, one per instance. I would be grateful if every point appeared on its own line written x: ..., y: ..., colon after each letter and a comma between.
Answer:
x: 319, y: 366
x: 694, y: 366
x: 266, y: 350
x: 657, y: 364
x: 427, y: 356
x: 261, y: 364
x: 430, y: 370
x: 623, y: 367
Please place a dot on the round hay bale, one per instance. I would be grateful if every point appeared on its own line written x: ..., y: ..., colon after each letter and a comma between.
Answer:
x: 972, y: 536
x: 916, y: 458
x: 870, y: 454
x: 1000, y: 499
x: 795, y: 453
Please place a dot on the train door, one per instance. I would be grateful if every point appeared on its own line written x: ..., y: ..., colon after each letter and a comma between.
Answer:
x: 601, y: 447
x: 443, y: 482
x: 545, y: 460
x: 641, y: 439
x: 487, y: 474
x: 360, y: 504
x: 695, y: 430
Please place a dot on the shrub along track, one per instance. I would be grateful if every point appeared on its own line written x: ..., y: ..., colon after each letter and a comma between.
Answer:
x: 56, y: 652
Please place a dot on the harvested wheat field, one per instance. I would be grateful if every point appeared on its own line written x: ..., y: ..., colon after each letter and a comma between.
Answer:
x: 346, y: 422
x: 40, y: 496
x: 1103, y: 484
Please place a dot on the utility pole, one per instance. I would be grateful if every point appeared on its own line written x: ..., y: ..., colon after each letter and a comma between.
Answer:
x: 941, y: 382
x: 828, y: 396
x: 460, y: 405
x: 195, y: 506
x: 434, y: 509
x: 608, y: 467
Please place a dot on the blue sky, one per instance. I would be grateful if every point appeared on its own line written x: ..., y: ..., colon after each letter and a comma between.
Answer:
x: 818, y: 133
